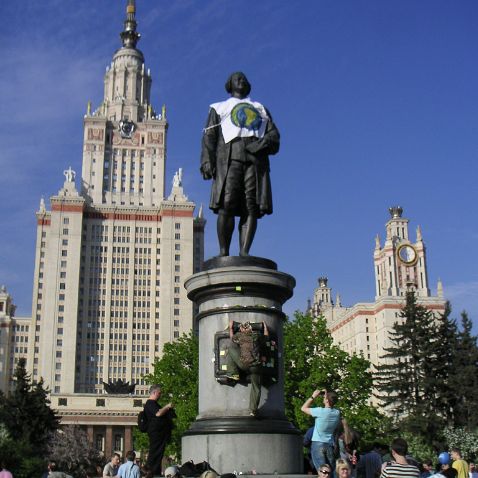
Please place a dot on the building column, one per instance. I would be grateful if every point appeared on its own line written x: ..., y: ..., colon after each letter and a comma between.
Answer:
x: 128, y: 439
x: 90, y: 434
x: 109, y: 440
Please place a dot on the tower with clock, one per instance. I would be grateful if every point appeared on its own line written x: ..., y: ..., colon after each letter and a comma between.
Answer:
x: 400, y: 265
x: 125, y: 138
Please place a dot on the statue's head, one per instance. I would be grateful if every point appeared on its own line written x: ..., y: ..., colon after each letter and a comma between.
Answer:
x: 238, y: 85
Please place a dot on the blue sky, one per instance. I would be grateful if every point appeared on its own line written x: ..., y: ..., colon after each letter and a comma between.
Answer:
x: 376, y: 101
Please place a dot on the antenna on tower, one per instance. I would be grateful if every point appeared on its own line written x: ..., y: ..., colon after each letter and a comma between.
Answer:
x: 129, y: 35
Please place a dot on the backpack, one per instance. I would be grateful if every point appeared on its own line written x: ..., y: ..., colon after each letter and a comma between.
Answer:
x: 195, y: 469
x: 142, y: 421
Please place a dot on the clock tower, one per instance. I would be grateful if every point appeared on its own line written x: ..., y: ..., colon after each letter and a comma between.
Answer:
x: 400, y: 265
x: 124, y: 147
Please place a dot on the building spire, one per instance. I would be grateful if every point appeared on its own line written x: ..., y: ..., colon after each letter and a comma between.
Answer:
x: 129, y: 36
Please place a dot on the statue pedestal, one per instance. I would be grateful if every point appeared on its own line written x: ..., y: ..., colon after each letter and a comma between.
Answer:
x: 242, y: 289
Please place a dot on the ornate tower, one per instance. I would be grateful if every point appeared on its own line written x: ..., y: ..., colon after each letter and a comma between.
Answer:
x: 124, y: 154
x: 322, y: 298
x: 400, y: 265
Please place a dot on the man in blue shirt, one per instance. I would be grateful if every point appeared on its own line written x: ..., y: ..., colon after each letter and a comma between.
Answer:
x: 129, y: 469
x: 327, y: 419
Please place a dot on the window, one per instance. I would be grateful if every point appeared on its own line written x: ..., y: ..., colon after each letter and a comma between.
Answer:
x: 177, y: 236
x: 118, y: 442
x: 176, y: 323
x: 66, y: 220
x: 63, y: 264
x: 62, y: 402
x: 177, y: 225
x: 64, y: 253
x: 64, y: 242
x: 65, y: 231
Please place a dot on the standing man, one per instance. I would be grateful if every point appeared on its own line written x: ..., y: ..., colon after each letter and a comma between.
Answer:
x: 370, y: 464
x: 111, y: 469
x: 327, y: 419
x: 399, y: 467
x: 238, y: 138
x: 160, y: 425
x: 129, y: 469
x: 460, y: 465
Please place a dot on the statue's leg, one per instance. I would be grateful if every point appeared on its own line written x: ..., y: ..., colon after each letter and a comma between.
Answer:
x: 225, y: 228
x: 247, y: 232
x: 248, y: 224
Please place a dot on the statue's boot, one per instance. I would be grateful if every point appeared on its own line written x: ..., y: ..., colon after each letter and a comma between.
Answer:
x: 247, y: 232
x: 225, y: 228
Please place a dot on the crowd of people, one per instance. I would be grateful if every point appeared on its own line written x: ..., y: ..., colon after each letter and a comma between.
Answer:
x: 333, y: 450
x: 333, y: 447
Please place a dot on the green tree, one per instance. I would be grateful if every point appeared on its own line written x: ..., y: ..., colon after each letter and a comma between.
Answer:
x: 26, y: 413
x: 465, y: 440
x: 72, y: 452
x: 417, y: 381
x: 464, y: 376
x: 399, y: 379
x: 177, y: 373
x: 312, y: 362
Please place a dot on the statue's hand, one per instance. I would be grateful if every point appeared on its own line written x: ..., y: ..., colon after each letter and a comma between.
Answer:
x: 206, y: 170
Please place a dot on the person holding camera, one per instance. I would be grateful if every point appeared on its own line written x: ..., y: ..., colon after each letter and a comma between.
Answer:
x: 327, y: 419
x: 160, y: 426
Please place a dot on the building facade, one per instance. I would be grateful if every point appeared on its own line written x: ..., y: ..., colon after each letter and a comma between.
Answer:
x: 400, y: 265
x: 111, y: 258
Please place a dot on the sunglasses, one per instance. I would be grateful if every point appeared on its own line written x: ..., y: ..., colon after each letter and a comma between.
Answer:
x: 325, y: 472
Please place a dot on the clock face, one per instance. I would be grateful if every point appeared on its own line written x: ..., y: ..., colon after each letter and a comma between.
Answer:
x: 126, y: 128
x: 407, y: 254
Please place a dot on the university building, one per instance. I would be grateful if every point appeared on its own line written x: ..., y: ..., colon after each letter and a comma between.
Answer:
x: 400, y: 265
x: 112, y: 252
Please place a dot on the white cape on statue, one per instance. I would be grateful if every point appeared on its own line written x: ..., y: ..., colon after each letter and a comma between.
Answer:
x: 241, y: 118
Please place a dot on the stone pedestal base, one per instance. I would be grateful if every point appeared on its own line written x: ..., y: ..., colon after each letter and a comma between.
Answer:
x: 240, y: 289
x: 262, y: 452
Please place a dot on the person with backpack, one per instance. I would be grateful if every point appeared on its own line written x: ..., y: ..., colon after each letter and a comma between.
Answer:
x: 159, y: 427
x: 129, y: 469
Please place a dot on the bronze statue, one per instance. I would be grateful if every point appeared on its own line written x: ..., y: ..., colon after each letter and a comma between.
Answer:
x: 238, y: 138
